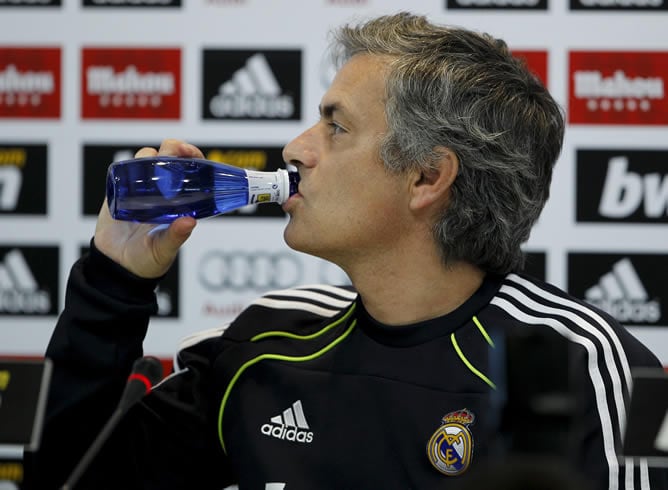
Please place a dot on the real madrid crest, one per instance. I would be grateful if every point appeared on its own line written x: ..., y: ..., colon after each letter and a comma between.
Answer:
x: 450, y: 447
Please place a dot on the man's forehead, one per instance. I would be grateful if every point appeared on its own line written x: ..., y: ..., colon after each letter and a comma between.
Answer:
x: 337, y: 100
x: 358, y: 82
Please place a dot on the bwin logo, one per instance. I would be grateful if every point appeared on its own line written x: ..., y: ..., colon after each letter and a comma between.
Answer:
x: 624, y: 192
x: 253, y: 91
x: 621, y: 293
x: 291, y: 425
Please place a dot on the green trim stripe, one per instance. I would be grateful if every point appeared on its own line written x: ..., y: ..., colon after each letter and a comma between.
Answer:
x: 279, y: 357
x: 468, y: 364
x: 290, y: 335
x: 483, y: 331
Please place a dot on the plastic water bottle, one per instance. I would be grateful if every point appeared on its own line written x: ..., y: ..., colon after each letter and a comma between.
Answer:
x: 161, y: 189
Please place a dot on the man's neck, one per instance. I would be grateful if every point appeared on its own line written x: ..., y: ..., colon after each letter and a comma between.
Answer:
x: 408, y: 291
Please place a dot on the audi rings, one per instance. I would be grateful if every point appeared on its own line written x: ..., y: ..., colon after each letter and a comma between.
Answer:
x: 220, y: 270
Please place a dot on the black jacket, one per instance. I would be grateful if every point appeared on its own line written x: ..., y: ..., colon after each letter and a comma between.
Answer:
x: 304, y: 390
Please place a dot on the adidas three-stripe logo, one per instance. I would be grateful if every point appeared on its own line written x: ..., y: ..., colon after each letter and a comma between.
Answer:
x: 292, y: 416
x: 290, y: 425
x: 621, y: 293
x: 19, y: 290
x: 253, y: 92
x: 254, y: 78
x: 622, y: 282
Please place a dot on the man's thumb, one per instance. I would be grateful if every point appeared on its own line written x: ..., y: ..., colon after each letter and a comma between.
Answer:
x: 168, y: 242
x: 179, y: 231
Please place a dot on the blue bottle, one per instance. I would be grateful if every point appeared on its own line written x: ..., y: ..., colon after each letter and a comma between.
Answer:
x: 161, y: 189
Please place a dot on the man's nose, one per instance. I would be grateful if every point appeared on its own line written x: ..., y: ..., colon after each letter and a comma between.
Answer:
x: 301, y: 150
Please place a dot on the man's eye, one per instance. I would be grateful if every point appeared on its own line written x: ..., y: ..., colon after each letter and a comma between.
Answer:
x: 335, y: 128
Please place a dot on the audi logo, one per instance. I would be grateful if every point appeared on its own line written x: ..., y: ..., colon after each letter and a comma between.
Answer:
x: 258, y: 270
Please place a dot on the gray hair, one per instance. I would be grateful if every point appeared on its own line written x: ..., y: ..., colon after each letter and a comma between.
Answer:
x: 455, y: 88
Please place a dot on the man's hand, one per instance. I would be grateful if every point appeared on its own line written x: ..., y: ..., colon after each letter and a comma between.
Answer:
x: 140, y: 248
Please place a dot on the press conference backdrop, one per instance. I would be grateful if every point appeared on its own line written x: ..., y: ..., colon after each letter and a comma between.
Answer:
x: 87, y: 82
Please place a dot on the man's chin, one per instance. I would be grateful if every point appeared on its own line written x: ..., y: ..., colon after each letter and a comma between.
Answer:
x: 297, y: 242
x: 291, y: 238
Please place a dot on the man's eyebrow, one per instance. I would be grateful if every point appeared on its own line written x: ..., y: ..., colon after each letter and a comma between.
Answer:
x: 328, y: 110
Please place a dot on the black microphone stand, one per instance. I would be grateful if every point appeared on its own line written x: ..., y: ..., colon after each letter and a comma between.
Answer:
x: 146, y: 371
x: 93, y: 449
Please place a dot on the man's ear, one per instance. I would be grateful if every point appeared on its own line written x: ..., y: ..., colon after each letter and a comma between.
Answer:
x: 434, y: 185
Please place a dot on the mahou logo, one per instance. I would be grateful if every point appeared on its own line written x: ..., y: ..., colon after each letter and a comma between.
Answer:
x: 536, y: 62
x: 120, y: 83
x: 30, y: 82
x: 618, y: 88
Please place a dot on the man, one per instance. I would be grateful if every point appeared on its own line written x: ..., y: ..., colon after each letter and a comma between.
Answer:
x: 428, y: 167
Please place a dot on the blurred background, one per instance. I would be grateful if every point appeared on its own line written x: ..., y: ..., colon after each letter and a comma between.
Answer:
x: 87, y: 82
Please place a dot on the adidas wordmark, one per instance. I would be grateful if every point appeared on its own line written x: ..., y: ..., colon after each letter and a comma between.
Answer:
x: 291, y: 425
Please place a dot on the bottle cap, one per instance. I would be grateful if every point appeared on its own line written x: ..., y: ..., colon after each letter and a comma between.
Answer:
x: 288, y: 182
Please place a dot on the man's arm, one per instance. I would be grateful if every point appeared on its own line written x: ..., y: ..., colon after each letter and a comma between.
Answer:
x: 619, y: 473
x: 168, y: 440
x: 98, y: 336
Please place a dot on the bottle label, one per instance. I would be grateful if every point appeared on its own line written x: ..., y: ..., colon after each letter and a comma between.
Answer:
x: 265, y: 187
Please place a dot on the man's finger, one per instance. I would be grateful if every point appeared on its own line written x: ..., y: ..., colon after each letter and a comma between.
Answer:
x: 180, y: 230
x: 168, y: 241
x: 146, y: 152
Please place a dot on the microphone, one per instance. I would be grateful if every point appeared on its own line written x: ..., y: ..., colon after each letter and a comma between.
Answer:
x: 146, y: 372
